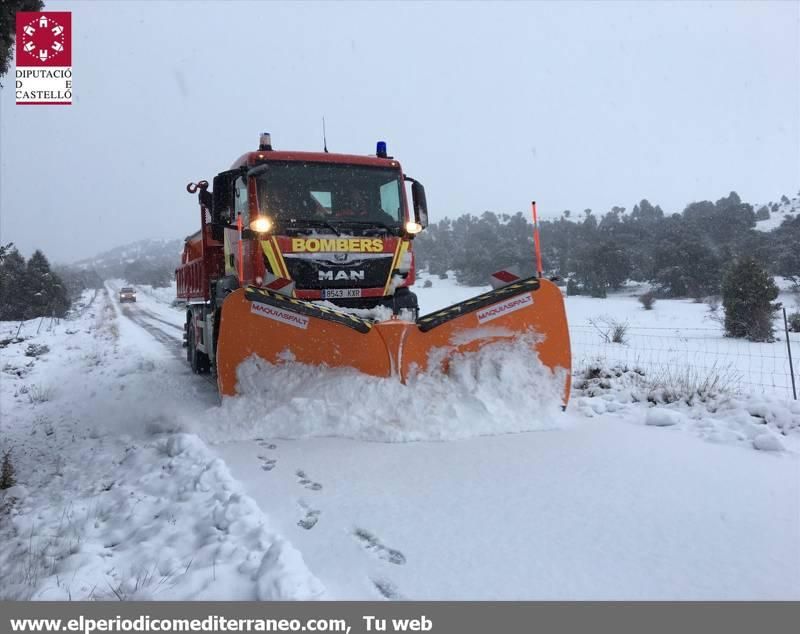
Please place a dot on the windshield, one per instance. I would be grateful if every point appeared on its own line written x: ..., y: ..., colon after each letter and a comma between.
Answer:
x: 335, y: 194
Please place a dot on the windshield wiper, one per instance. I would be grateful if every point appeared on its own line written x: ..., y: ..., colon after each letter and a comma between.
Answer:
x: 369, y: 223
x: 315, y: 222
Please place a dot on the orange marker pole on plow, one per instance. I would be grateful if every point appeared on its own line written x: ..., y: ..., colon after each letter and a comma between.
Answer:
x: 240, y: 268
x: 536, y: 246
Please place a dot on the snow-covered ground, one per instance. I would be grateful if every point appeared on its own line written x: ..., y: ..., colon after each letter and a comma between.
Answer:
x: 135, y: 482
x: 786, y: 209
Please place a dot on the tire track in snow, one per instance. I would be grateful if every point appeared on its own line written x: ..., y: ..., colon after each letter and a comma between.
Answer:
x: 140, y: 317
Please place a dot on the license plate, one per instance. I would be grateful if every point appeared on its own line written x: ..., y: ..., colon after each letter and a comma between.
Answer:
x: 340, y: 293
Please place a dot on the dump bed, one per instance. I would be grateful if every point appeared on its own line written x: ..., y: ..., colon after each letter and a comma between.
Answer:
x: 202, y: 261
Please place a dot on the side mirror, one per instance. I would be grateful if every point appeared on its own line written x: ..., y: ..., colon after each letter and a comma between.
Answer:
x: 420, y: 203
x: 222, y: 208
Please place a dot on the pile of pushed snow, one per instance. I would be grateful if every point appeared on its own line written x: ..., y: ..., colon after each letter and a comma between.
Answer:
x: 502, y: 388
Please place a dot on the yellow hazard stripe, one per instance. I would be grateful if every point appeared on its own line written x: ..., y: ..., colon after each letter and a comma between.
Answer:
x: 507, y: 291
x: 275, y: 268
x: 279, y: 257
x: 397, y: 250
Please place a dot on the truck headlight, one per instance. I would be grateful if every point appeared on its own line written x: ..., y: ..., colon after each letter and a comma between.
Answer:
x: 261, y: 224
x: 413, y: 227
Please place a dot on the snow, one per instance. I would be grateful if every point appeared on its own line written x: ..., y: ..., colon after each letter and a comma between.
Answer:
x: 497, y: 390
x: 136, y: 482
x: 658, y: 417
x: 117, y: 506
x: 767, y: 442
x: 786, y: 210
x: 606, y: 511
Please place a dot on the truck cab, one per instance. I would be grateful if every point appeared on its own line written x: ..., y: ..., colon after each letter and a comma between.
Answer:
x: 332, y: 227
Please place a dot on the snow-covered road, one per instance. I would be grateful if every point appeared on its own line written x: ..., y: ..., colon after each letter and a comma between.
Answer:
x: 586, y: 508
x: 602, y: 511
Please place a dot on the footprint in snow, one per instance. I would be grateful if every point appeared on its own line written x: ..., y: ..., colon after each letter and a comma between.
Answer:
x: 387, y: 589
x: 371, y: 543
x: 266, y: 445
x: 267, y: 464
x: 311, y: 516
x: 303, y: 479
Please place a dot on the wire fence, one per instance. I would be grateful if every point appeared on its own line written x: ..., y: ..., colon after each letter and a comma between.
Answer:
x: 740, y: 364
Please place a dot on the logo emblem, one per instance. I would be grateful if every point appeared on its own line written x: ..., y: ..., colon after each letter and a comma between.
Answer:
x: 44, y: 38
x: 44, y: 57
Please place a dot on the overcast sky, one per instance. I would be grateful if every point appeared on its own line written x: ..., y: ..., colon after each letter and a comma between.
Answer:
x: 489, y: 105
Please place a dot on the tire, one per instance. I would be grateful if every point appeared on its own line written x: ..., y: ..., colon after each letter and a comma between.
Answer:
x: 198, y: 361
x: 189, y: 343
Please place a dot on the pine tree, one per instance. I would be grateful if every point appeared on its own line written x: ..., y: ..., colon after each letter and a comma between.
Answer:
x: 48, y: 295
x: 14, y: 289
x: 7, y: 477
x: 747, y: 295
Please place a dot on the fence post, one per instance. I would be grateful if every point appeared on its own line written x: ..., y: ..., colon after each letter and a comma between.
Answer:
x: 789, y: 350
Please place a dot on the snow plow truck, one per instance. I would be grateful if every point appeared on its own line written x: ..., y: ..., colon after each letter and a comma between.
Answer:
x: 290, y: 243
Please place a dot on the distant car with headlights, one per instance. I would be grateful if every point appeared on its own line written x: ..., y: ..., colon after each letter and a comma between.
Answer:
x: 127, y: 294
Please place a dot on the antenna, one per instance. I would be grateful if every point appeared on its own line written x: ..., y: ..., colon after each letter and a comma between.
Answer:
x: 324, y: 138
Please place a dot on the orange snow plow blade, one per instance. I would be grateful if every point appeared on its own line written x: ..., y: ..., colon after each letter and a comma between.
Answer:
x: 277, y: 328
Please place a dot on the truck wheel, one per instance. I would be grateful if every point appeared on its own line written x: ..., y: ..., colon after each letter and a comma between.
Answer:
x: 197, y: 360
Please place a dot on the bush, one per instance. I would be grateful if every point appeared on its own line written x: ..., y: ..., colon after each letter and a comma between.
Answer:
x: 647, y: 300
x: 427, y: 284
x: 573, y: 288
x: 36, y: 350
x: 747, y: 295
x: 794, y: 322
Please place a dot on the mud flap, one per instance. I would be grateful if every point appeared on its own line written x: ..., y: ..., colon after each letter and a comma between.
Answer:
x: 256, y: 321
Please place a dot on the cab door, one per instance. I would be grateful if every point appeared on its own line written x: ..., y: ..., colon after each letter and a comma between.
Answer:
x: 237, y: 248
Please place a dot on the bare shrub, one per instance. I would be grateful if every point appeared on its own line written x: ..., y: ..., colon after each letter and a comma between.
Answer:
x: 611, y: 330
x: 794, y: 322
x: 690, y: 384
x: 427, y: 284
x: 647, y: 300
x: 40, y: 394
